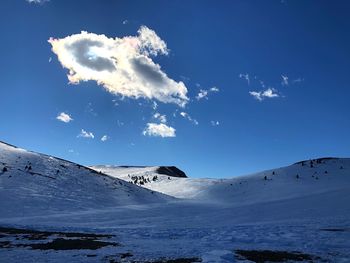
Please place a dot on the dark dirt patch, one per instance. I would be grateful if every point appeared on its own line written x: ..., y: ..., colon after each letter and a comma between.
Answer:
x: 69, y: 244
x: 5, y: 244
x: 334, y: 229
x: 176, y: 260
x: 161, y: 260
x: 61, y: 240
x: 262, y: 256
x: 36, y: 235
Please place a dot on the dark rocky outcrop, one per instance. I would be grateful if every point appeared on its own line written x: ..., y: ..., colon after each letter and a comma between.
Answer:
x: 171, y: 171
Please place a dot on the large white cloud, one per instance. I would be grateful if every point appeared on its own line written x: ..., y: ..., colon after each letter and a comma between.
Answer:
x: 123, y: 66
x: 159, y: 130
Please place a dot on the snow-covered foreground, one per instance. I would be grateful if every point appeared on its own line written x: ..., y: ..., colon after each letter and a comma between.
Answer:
x: 304, y: 207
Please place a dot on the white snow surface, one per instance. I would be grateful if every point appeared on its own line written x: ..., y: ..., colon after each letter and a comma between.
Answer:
x: 294, y: 208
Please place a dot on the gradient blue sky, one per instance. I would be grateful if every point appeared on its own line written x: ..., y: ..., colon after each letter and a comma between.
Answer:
x: 211, y: 43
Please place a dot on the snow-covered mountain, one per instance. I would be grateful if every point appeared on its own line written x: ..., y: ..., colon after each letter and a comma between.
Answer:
x: 153, y: 178
x: 33, y: 183
x: 300, y: 179
x: 156, y: 214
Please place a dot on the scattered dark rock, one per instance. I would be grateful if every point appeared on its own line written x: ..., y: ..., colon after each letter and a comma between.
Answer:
x: 319, y: 160
x: 126, y: 255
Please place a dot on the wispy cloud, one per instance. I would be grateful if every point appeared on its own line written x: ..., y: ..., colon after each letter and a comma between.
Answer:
x: 261, y: 95
x: 160, y: 117
x: 298, y: 80
x: 85, y: 134
x: 104, y: 138
x: 123, y: 66
x: 64, y: 117
x: 284, y: 80
x: 159, y: 130
x: 245, y: 76
x: 188, y: 117
x: 214, y: 123
x: 203, y: 93
x: 89, y: 109
x: 154, y: 105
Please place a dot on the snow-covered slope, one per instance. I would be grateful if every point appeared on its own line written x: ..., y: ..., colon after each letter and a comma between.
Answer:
x: 301, y: 179
x: 149, y: 177
x: 32, y: 183
x: 298, y: 180
x: 303, y: 207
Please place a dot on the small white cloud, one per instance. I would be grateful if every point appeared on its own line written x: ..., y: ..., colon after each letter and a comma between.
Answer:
x: 125, y: 22
x: 71, y: 151
x: 64, y: 117
x: 260, y: 95
x: 159, y: 130
x: 123, y: 66
x: 50, y: 59
x: 284, y: 80
x: 270, y: 93
x: 154, y: 105
x: 160, y: 117
x: 214, y: 89
x: 245, y: 76
x: 85, y: 134
x: 203, y: 94
x: 37, y: 1
x: 188, y: 117
x: 215, y: 123
x: 104, y: 138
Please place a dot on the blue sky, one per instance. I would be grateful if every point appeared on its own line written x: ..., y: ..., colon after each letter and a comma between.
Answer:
x: 196, y: 58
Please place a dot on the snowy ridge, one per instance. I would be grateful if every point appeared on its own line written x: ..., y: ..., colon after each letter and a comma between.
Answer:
x: 297, y: 180
x: 32, y: 183
x: 150, y: 178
